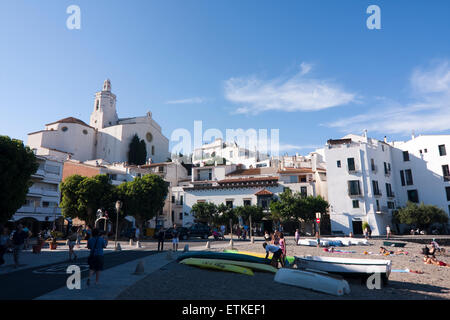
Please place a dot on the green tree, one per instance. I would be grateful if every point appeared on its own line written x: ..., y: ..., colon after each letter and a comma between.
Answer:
x: 245, y: 212
x: 204, y: 211
x: 82, y: 196
x: 17, y: 164
x: 143, y: 198
x: 137, y: 153
x: 422, y: 216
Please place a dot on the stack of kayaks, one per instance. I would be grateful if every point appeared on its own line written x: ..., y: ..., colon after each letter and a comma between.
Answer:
x: 223, y: 261
x: 316, y: 281
x: 290, y: 259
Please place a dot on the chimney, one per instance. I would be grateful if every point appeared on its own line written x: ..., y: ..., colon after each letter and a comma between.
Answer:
x: 385, y: 139
x: 365, y: 133
x: 413, y: 135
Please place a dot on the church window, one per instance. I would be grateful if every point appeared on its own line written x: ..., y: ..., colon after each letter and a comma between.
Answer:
x: 149, y: 137
x: 85, y: 131
x: 153, y: 150
x: 64, y: 129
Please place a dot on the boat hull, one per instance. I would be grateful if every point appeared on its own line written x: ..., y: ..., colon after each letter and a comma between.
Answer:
x: 204, y: 263
x: 312, y: 281
x: 348, y: 267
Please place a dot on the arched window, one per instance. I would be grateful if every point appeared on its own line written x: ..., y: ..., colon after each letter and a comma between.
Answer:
x: 153, y: 150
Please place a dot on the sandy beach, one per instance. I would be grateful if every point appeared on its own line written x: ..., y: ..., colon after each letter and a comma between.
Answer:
x: 177, y: 281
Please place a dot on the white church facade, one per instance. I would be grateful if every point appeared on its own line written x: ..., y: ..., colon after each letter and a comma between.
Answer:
x: 106, y: 137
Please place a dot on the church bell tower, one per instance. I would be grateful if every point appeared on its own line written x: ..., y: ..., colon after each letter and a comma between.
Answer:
x: 104, y: 114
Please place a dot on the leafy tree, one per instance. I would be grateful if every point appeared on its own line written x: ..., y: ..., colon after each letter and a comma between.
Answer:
x: 17, y: 164
x: 204, y: 211
x: 82, y: 196
x: 143, y: 198
x: 422, y: 216
x: 245, y: 212
x: 137, y: 153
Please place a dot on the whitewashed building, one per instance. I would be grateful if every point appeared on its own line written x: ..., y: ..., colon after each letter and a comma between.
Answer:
x: 220, y: 152
x: 42, y: 200
x: 367, y: 179
x: 106, y: 137
x: 235, y: 185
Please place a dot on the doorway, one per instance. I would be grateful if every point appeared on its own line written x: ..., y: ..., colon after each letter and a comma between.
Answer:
x: 357, y: 227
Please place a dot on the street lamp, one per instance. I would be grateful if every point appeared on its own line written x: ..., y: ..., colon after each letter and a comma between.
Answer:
x: 118, y: 206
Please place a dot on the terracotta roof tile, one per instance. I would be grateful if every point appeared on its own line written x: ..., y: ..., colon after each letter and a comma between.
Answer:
x: 264, y: 192
x: 253, y: 179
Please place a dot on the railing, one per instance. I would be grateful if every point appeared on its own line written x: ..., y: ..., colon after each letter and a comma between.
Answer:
x: 391, y: 195
x: 377, y: 194
x: 353, y: 169
x: 354, y: 194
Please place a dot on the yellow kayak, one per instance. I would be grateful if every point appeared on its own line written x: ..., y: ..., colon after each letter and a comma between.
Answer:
x: 251, y: 265
x: 219, y: 265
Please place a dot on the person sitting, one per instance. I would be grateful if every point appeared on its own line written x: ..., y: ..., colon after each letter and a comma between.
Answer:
x: 429, y: 252
x: 277, y: 254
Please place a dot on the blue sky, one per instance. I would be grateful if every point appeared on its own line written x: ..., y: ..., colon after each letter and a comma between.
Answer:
x: 311, y: 69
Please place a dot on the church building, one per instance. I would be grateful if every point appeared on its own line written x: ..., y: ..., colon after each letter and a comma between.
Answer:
x: 107, y: 136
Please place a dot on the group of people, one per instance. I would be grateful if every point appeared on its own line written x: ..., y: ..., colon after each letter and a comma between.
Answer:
x: 17, y: 240
x: 429, y: 254
x: 275, y: 244
x: 161, y: 236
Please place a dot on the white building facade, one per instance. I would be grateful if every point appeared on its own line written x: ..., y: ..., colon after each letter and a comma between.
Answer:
x: 42, y: 200
x: 367, y: 179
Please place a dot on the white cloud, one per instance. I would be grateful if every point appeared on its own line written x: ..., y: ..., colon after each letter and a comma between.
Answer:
x: 429, y: 112
x: 289, y: 147
x: 195, y: 100
x: 296, y: 93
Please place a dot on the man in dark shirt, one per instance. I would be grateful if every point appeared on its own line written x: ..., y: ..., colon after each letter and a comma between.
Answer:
x: 18, y: 239
x: 161, y: 236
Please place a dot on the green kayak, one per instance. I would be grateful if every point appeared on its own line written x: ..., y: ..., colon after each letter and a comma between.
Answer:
x: 394, y: 244
x: 290, y: 259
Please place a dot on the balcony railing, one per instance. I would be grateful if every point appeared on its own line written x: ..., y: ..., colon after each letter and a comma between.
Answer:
x: 377, y: 194
x: 391, y: 195
x: 354, y: 193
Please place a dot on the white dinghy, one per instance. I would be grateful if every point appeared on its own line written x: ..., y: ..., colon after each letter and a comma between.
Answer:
x: 313, y: 280
x: 345, y: 266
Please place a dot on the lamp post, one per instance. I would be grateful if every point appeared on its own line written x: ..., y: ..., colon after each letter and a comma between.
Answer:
x: 118, y: 206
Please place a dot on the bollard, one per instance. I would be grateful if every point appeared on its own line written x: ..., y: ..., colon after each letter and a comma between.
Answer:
x: 139, y: 268
x: 131, y: 242
x: 138, y: 244
x: 186, y: 248
x: 118, y: 248
x: 231, y: 244
x: 252, y: 240
x: 208, y: 245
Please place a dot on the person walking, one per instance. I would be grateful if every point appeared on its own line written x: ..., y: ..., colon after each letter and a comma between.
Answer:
x: 71, y: 240
x: 96, y: 260
x: 267, y: 236
x: 283, y: 245
x: 79, y: 236
x: 137, y: 234
x: 4, y: 243
x: 161, y: 235
x: 297, y: 236
x: 388, y: 232
x: 366, y: 233
x: 175, y: 240
x: 18, y: 240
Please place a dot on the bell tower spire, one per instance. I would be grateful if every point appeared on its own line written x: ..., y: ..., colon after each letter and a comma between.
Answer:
x: 104, y: 114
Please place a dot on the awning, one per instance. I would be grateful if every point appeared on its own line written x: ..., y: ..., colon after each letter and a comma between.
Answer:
x: 37, y: 216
